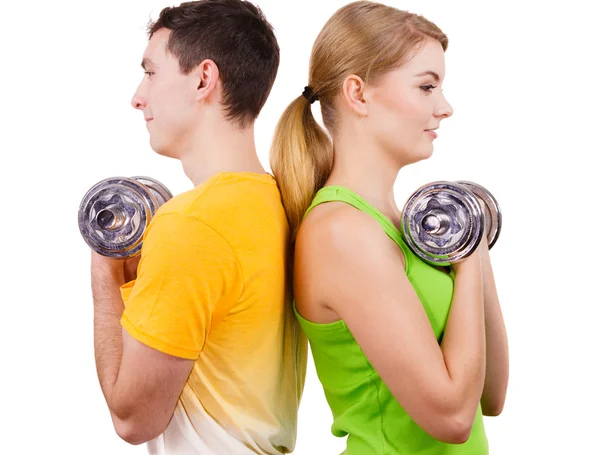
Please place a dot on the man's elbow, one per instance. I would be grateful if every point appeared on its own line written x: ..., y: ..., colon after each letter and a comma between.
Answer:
x: 135, y: 432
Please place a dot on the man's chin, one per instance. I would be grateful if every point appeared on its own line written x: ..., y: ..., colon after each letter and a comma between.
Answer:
x: 160, y: 149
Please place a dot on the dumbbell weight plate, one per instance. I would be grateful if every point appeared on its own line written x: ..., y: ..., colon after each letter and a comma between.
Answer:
x: 442, y: 222
x: 491, y: 209
x: 160, y: 191
x: 114, y: 214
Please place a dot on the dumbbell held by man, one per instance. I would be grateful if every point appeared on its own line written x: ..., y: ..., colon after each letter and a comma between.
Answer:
x: 115, y: 212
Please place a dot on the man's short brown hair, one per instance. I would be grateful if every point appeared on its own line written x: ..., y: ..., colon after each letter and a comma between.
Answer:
x: 237, y: 37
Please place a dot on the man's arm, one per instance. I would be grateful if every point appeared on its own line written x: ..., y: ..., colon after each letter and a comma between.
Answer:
x: 140, y: 384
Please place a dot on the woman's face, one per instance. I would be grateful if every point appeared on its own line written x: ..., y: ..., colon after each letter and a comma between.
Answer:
x: 406, y: 105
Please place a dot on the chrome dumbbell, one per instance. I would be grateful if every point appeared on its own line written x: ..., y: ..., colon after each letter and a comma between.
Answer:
x: 115, y: 212
x: 444, y: 222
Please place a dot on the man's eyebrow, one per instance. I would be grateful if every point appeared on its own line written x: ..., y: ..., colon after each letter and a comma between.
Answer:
x: 146, y: 62
x: 430, y: 73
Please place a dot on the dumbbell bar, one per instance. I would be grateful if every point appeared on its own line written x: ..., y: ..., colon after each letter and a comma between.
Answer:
x: 444, y: 222
x: 115, y: 212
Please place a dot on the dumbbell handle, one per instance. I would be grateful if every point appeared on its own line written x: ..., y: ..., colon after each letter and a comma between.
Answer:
x: 111, y: 217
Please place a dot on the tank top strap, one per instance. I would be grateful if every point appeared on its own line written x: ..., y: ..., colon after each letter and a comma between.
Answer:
x: 337, y: 193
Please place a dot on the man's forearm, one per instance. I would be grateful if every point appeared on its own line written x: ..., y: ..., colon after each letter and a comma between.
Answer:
x: 130, y: 402
x: 108, y: 339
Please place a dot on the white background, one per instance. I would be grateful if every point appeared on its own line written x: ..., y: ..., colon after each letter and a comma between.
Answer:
x: 522, y: 79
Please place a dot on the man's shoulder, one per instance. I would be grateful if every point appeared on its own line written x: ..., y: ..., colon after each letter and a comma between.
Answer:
x: 225, y: 189
x: 228, y: 201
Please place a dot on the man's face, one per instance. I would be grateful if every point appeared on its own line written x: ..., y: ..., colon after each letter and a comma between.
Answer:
x: 166, y: 97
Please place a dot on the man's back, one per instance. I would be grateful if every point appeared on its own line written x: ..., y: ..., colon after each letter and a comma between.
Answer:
x: 219, y: 253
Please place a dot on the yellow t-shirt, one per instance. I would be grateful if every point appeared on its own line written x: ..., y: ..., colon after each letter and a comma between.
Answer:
x: 212, y: 287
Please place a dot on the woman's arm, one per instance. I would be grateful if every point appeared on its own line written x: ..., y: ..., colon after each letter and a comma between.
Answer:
x: 496, y: 374
x: 359, y: 273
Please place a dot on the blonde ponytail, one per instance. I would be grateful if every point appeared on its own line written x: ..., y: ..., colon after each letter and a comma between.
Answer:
x: 301, y: 160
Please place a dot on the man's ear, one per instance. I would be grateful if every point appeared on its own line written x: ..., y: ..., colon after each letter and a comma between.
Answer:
x: 206, y: 77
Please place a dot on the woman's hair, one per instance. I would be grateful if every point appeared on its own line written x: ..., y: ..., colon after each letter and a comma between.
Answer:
x: 363, y: 38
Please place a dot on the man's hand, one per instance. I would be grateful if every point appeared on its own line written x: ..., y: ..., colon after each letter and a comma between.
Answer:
x: 124, y: 270
x: 130, y: 268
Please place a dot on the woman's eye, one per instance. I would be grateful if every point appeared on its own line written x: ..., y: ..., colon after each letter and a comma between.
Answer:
x: 428, y: 88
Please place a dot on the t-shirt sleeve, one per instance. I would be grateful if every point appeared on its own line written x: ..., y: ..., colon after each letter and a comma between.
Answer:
x: 188, y: 275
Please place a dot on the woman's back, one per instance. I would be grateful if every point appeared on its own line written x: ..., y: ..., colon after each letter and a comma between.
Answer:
x: 362, y: 404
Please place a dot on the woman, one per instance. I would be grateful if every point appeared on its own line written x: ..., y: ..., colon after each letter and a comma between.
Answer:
x: 374, y: 313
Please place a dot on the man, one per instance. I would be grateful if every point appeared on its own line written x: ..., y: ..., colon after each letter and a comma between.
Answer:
x: 197, y: 348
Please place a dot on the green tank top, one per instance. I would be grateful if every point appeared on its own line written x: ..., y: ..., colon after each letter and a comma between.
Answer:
x: 363, y: 407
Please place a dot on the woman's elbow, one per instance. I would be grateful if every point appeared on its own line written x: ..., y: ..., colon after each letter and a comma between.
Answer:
x: 456, y: 430
x: 449, y: 429
x: 492, y: 409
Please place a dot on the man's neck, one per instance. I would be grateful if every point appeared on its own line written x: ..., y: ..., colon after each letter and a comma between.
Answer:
x: 224, y: 149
